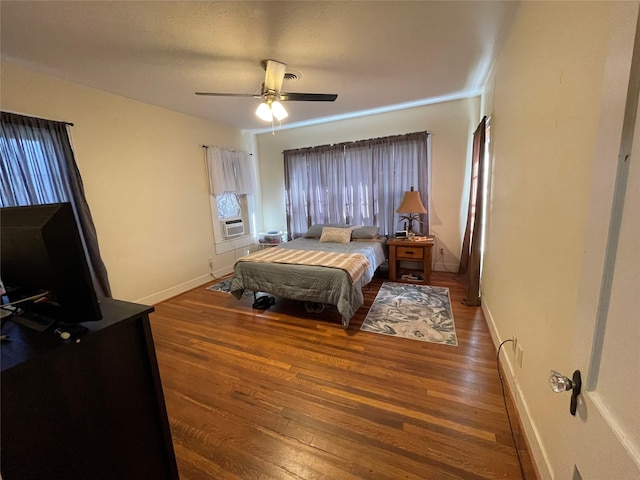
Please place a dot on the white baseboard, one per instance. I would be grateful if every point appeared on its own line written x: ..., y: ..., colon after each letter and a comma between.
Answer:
x: 538, y: 452
x: 184, y: 287
x: 173, y: 291
x: 221, y: 272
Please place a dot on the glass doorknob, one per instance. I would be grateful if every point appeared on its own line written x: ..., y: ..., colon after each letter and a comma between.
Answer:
x: 559, y: 383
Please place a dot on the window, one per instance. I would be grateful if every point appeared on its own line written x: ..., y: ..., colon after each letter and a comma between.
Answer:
x: 231, y: 185
x: 38, y: 167
x: 360, y: 183
x: 228, y: 205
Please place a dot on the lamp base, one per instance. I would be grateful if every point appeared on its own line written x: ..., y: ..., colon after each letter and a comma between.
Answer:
x: 410, y: 229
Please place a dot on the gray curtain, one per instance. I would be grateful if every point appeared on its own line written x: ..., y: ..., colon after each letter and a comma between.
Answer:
x: 471, y: 255
x: 358, y: 183
x: 37, y: 167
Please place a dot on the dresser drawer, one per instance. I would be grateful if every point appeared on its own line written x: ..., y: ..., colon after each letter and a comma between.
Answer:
x: 410, y: 253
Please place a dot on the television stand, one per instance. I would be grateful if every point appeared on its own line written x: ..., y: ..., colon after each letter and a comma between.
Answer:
x: 92, y: 408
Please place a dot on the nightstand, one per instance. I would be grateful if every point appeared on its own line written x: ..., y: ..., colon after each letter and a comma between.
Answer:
x: 405, y: 251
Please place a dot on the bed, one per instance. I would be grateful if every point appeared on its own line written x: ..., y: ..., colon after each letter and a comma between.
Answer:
x: 314, y: 283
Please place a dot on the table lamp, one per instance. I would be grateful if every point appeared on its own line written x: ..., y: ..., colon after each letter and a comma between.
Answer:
x: 412, y: 207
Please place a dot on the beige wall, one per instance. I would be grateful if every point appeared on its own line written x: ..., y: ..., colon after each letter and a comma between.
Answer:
x: 145, y: 180
x: 545, y: 99
x: 144, y: 175
x: 450, y: 123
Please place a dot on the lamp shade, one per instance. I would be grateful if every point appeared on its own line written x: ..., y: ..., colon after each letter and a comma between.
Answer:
x: 411, y: 203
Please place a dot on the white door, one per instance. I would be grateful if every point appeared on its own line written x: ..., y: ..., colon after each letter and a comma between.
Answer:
x: 605, y: 434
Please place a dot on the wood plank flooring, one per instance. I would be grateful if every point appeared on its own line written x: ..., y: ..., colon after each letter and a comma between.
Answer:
x: 286, y: 394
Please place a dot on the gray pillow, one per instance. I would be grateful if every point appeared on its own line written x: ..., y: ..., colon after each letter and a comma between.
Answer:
x: 365, y: 233
x: 315, y: 231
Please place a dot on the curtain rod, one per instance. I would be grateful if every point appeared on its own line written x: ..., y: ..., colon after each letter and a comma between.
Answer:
x: 207, y: 146
x: 354, y: 142
x: 39, y: 118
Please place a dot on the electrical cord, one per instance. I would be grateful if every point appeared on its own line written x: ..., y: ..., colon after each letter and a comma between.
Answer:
x: 504, y: 398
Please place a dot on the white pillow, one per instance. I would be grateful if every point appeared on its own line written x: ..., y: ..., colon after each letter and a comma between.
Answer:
x: 337, y: 235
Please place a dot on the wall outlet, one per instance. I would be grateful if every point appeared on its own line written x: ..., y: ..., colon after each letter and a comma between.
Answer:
x: 442, y: 251
x: 514, y: 342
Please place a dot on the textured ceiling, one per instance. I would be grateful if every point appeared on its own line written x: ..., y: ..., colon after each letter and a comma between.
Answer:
x: 373, y: 54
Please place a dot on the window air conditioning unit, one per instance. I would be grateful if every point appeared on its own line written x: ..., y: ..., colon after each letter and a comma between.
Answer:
x: 232, y: 227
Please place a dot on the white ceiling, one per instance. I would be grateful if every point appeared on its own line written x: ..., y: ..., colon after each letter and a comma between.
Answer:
x: 373, y: 54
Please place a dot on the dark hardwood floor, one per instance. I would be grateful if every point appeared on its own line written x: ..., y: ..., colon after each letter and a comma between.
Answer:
x: 286, y: 394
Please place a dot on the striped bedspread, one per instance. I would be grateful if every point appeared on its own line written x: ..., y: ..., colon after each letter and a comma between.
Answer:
x: 355, y: 264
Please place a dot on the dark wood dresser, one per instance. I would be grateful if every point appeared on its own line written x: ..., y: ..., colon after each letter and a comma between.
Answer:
x: 85, y: 408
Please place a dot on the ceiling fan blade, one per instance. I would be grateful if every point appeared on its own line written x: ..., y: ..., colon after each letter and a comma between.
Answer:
x: 211, y: 94
x: 308, y: 97
x: 274, y: 76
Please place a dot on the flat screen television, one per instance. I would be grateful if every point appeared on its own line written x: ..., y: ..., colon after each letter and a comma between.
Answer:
x: 42, y: 259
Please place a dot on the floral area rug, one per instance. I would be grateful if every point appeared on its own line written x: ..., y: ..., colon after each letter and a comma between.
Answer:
x: 419, y: 312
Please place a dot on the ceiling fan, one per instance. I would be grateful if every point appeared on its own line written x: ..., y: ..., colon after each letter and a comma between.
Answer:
x: 272, y: 95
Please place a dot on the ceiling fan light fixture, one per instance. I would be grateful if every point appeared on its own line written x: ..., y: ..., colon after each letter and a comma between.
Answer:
x: 264, y: 112
x: 278, y: 110
x: 270, y: 109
